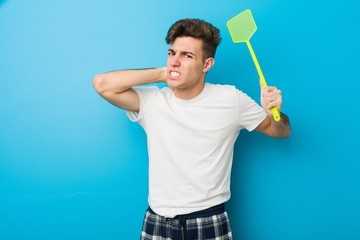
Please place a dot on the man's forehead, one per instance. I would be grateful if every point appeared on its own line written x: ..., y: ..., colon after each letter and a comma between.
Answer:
x: 187, y: 44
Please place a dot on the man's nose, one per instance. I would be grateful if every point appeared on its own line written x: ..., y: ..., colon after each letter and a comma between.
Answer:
x: 175, y: 60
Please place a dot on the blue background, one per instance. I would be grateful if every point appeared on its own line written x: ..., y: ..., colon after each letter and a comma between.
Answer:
x: 72, y: 166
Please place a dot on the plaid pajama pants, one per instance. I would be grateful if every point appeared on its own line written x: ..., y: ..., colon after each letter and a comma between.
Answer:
x: 203, y: 225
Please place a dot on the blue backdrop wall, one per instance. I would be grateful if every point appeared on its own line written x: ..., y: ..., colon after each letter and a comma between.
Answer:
x: 72, y: 166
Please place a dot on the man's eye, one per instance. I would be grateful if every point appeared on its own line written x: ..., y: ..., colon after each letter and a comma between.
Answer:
x: 188, y: 56
x: 171, y: 53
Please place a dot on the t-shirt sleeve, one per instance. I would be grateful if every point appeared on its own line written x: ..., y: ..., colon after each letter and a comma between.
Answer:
x: 251, y: 114
x: 145, y: 95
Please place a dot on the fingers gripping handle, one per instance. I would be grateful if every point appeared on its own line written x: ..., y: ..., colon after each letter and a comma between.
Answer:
x: 274, y: 110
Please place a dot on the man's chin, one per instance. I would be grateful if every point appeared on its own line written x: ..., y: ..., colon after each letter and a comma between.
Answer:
x: 172, y: 83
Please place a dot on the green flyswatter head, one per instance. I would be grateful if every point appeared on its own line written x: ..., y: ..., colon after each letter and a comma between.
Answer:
x: 242, y: 27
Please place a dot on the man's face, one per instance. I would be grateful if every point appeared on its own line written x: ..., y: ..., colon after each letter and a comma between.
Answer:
x: 185, y: 65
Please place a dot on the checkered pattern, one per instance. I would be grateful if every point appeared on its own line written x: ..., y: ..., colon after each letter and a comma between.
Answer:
x: 216, y: 227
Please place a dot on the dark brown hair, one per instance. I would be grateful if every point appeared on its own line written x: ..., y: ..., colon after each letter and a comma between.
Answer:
x: 199, y: 29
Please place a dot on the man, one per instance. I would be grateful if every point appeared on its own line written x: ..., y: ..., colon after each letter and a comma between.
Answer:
x: 191, y: 128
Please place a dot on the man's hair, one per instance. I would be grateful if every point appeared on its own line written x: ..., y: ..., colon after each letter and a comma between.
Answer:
x: 199, y: 29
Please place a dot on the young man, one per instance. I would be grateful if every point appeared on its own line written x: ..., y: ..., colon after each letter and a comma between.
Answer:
x: 191, y: 128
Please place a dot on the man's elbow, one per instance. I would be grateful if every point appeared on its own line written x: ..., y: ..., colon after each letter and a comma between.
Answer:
x: 285, y: 133
x: 99, y: 83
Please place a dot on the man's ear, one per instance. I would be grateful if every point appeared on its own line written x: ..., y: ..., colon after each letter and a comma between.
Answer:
x: 209, y: 62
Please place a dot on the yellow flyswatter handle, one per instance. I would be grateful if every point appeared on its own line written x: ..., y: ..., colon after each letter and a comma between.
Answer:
x: 241, y: 28
x: 274, y: 110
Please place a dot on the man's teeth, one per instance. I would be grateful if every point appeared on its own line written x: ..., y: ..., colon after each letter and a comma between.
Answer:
x: 174, y: 74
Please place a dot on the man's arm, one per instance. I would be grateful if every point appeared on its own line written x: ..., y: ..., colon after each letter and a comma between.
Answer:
x: 275, y: 129
x: 271, y: 97
x: 116, y: 87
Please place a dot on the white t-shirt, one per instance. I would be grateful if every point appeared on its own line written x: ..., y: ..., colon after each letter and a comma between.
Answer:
x: 190, y: 144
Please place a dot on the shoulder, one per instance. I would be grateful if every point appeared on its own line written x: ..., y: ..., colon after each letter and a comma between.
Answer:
x: 144, y: 89
x: 221, y: 87
x: 150, y: 93
x: 231, y: 93
x: 224, y: 90
x: 152, y: 90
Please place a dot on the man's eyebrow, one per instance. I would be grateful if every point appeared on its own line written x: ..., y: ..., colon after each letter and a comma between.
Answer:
x: 182, y: 52
x: 187, y: 52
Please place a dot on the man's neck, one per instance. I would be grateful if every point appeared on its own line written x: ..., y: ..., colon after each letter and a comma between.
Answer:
x: 189, y: 93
